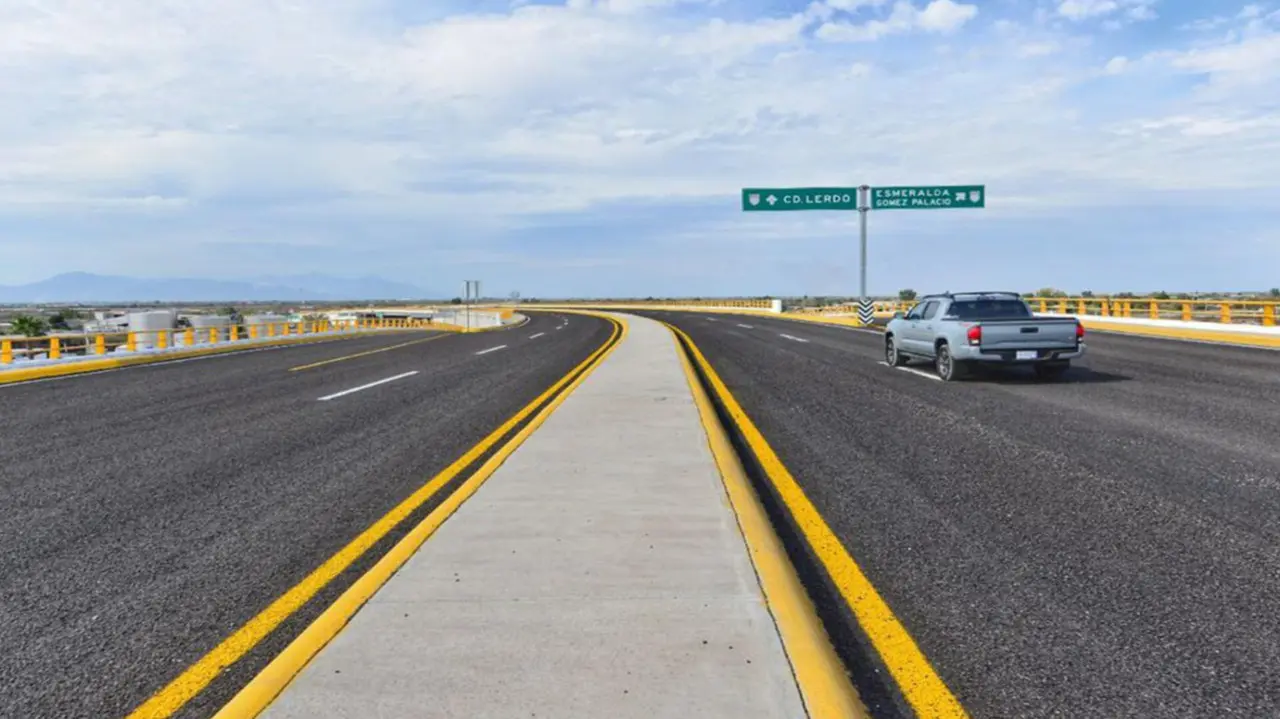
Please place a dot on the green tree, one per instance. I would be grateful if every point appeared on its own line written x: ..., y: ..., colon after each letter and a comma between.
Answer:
x: 1161, y: 295
x: 29, y: 326
x: 1274, y: 292
x: 455, y: 301
x: 1050, y: 292
x: 907, y: 295
x: 1087, y: 293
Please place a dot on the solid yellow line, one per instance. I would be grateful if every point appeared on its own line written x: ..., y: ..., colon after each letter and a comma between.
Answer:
x: 819, y: 672
x: 195, y: 678
x: 365, y: 354
x: 916, y: 678
x: 276, y: 676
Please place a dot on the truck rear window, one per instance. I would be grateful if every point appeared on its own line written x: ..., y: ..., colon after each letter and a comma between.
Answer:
x: 988, y: 309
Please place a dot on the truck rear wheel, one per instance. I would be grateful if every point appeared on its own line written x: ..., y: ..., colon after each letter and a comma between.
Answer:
x: 948, y: 367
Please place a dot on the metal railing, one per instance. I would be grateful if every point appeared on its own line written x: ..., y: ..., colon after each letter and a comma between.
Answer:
x: 880, y: 307
x: 1254, y: 312
x: 726, y: 303
x: 61, y: 346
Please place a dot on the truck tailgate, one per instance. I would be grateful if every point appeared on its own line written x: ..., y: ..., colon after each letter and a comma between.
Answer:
x: 1029, y: 334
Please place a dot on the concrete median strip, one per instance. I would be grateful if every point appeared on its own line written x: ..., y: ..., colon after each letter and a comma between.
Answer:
x: 599, y: 571
x: 913, y: 674
x: 266, y: 685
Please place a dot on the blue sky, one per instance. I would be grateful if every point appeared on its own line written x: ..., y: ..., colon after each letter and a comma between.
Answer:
x: 598, y: 147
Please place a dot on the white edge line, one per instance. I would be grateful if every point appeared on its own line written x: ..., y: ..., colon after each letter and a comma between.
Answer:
x: 746, y: 327
x: 367, y: 386
x: 914, y: 371
x: 793, y: 339
x: 491, y: 349
x: 534, y: 337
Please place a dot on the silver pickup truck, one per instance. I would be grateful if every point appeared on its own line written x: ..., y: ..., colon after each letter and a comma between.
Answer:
x: 958, y: 330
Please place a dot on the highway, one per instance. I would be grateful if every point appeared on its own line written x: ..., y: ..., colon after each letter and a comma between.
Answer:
x: 151, y: 512
x: 1106, y: 545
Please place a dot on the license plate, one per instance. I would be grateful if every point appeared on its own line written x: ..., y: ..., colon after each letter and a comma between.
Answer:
x: 1026, y: 354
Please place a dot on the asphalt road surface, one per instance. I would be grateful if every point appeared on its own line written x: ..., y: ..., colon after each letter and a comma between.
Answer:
x: 150, y: 512
x: 1103, y: 546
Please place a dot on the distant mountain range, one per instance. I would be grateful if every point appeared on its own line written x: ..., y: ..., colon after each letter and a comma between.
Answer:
x: 83, y: 287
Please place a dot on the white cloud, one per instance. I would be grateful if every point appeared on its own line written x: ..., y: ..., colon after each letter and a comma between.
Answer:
x: 1116, y: 65
x: 939, y: 16
x: 851, y: 6
x: 945, y: 15
x: 1253, y: 60
x: 1133, y: 10
x: 483, y: 120
x: 1038, y: 49
x: 1082, y: 9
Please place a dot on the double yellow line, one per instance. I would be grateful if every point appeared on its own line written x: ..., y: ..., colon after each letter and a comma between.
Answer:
x: 260, y: 691
x: 916, y: 679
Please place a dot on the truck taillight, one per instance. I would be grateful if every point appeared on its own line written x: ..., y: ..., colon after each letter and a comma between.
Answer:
x: 1079, y: 332
x: 975, y: 335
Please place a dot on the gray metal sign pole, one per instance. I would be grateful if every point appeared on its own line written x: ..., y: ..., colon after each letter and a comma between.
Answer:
x: 864, y: 205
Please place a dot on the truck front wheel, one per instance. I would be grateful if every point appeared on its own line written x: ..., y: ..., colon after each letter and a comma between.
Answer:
x: 892, y: 356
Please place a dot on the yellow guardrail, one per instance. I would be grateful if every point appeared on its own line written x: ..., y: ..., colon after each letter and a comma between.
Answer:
x: 1256, y: 312
x: 879, y: 307
x: 728, y: 304
x: 103, y: 343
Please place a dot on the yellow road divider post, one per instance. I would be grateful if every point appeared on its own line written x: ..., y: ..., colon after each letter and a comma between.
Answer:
x: 100, y: 345
x: 6, y: 351
x: 55, y: 348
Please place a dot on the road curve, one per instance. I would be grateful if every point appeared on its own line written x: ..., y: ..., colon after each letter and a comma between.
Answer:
x: 1108, y: 545
x: 150, y: 512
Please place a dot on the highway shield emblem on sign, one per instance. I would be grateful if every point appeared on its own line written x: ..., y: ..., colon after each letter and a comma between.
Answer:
x: 975, y: 195
x: 753, y: 199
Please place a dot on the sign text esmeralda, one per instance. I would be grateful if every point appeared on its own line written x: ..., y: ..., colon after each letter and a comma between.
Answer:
x: 776, y: 199
x: 928, y: 197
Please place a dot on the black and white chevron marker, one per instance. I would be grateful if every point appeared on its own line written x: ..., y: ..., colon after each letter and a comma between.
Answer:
x: 866, y: 312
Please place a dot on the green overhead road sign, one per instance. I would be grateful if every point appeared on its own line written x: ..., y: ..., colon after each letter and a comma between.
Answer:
x: 863, y: 199
x: 926, y: 197
x: 779, y: 199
